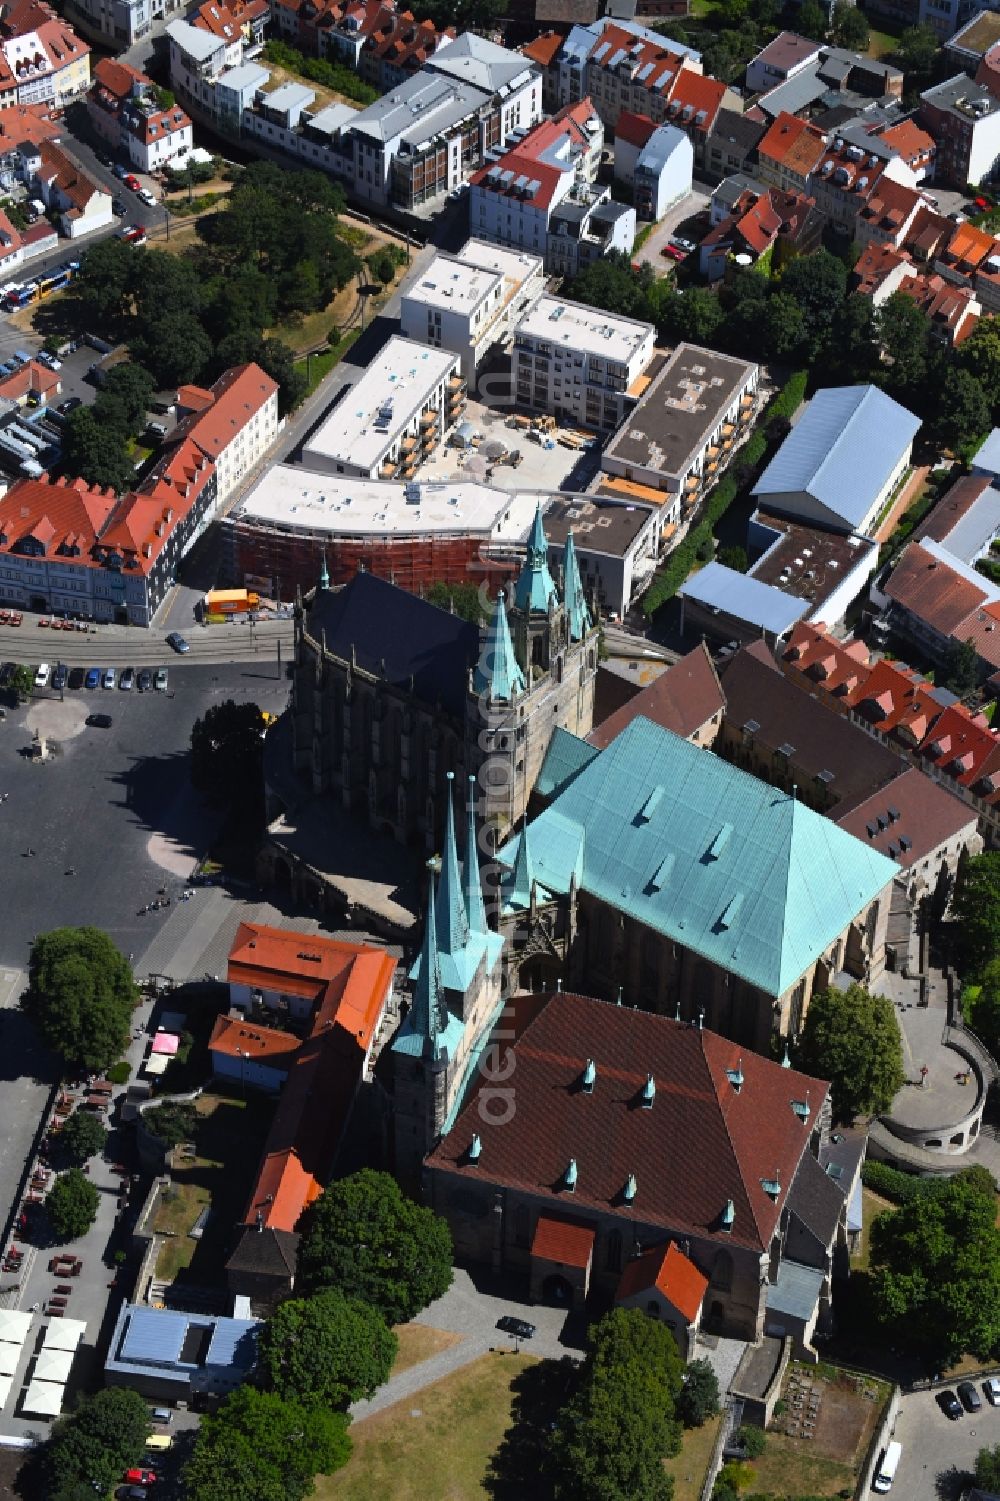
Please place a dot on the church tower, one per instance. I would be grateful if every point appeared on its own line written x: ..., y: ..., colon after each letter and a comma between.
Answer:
x: 456, y: 997
x: 536, y: 673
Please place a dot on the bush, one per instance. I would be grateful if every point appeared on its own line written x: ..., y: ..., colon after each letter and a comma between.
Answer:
x: 752, y: 1441
x: 698, y: 1399
x: 328, y: 75
x: 173, y: 1122
x: 120, y: 1072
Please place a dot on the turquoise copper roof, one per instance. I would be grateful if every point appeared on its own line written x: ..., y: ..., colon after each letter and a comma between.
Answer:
x: 452, y: 922
x: 428, y: 1017
x: 498, y: 673
x: 535, y: 586
x: 567, y: 754
x: 705, y: 854
x: 577, y: 614
x: 472, y: 886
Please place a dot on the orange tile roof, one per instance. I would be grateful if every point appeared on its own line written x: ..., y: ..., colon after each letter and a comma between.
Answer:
x: 912, y: 143
x: 232, y: 1036
x: 636, y: 129
x: 118, y: 78
x: 875, y: 263
x: 672, y: 1273
x: 194, y: 398
x: 70, y: 179
x: 840, y: 667
x: 72, y: 515
x: 238, y: 394
x: 564, y: 1241
x: 30, y: 379
x: 969, y: 245
x: 792, y: 143
x: 544, y: 48
x: 24, y: 123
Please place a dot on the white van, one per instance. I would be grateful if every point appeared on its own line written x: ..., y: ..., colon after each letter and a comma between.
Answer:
x: 42, y: 675
x: 885, y: 1470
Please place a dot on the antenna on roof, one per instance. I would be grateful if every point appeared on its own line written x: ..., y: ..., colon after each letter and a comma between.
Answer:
x: 677, y: 1013
x: 619, y: 995
x: 701, y: 1018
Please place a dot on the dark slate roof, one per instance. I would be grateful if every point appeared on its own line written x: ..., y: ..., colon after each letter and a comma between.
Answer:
x: 266, y: 1252
x: 816, y: 1200
x: 730, y: 126
x: 412, y: 638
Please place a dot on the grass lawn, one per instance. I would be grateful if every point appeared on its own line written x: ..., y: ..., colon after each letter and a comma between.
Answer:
x: 318, y: 366
x: 436, y: 1445
x: 689, y: 1466
x: 419, y: 1342
x: 872, y: 1205
x: 788, y: 1468
x: 178, y: 1209
x: 881, y: 42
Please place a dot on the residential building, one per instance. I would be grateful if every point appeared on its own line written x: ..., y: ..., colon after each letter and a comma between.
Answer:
x: 125, y: 113
x: 842, y: 461
x: 581, y: 233
x: 851, y: 170
x: 769, y: 226
x: 579, y: 363
x: 834, y: 77
x: 732, y: 144
x: 789, y: 153
x: 964, y: 120
x: 393, y: 417
x: 31, y: 382
x: 966, y: 520
x: 514, y: 194
x: 888, y: 214
x: 198, y: 61
x: 469, y: 303
x: 914, y: 145
x: 945, y: 17
x: 119, y: 24
x: 235, y: 424
x: 282, y: 116
x: 686, y: 699
x: 81, y: 204
x: 952, y: 312
x: 681, y: 434
x: 787, y: 56
x: 664, y: 910
x: 532, y: 1198
x: 396, y: 48
x: 972, y: 42
x: 169, y: 1356
x: 295, y: 525
x: 417, y: 711
x: 334, y: 996
x: 936, y: 600
x: 245, y: 19
x: 44, y: 61
x: 656, y: 161
x: 616, y: 548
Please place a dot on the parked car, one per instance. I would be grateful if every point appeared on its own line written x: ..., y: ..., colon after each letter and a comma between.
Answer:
x: 970, y: 1398
x: 122, y: 173
x: 76, y: 678
x: 132, y: 182
x: 161, y: 680
x: 145, y: 680
x: 991, y: 1387
x: 42, y: 675
x: 93, y: 678
x: 119, y: 207
x: 69, y: 405
x: 520, y: 1328
x: 139, y: 1475
x: 49, y: 360
x: 109, y: 677
x: 100, y: 721
x: 59, y: 677
x: 145, y: 196
x: 127, y: 679
x: 685, y: 246
x: 177, y: 642
x: 949, y: 1405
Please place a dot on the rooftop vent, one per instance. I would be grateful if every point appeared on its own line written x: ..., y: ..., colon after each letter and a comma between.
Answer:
x: 589, y: 1077
x: 735, y: 1075
x: 569, y: 1176
x: 475, y: 1148
x: 630, y: 1188
x: 728, y: 1215
x: 648, y: 1092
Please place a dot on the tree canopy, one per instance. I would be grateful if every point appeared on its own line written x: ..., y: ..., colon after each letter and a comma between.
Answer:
x: 935, y: 1272
x: 71, y: 1205
x: 227, y: 751
x: 81, y: 1137
x: 262, y: 1446
x: 612, y: 1436
x: 987, y: 1469
x: 851, y: 1038
x: 327, y: 1348
x: 975, y: 908
x: 699, y: 1396
x: 80, y: 995
x: 94, y: 1445
x: 365, y: 1238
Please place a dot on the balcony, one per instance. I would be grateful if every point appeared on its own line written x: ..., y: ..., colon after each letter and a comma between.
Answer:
x: 428, y: 418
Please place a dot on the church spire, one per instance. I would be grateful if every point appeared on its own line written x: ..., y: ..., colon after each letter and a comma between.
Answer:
x: 535, y: 587
x: 522, y: 878
x: 577, y: 614
x: 324, y: 572
x: 498, y: 674
x: 429, y: 1013
x: 452, y: 924
x: 471, y: 882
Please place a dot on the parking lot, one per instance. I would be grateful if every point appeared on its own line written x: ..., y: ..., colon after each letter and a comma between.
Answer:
x: 939, y: 1454
x: 675, y: 221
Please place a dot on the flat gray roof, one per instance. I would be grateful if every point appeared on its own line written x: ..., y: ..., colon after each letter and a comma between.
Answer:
x: 796, y: 1292
x: 680, y: 409
x: 598, y: 526
x: 744, y: 598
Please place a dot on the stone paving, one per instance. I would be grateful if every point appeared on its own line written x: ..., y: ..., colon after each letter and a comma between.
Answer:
x: 936, y: 1098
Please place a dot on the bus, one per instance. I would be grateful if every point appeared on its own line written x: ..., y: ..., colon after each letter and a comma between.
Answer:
x: 56, y: 280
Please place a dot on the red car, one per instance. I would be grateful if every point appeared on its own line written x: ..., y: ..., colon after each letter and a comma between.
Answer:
x: 131, y: 181
x: 139, y: 1476
x: 982, y: 203
x: 674, y: 251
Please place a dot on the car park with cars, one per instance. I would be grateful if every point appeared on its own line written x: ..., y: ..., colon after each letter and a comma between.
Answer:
x: 42, y: 675
x: 949, y: 1404
x: 144, y: 681
x: 969, y: 1397
x: 127, y: 679
x: 991, y: 1390
x: 76, y: 678
x: 161, y: 680
x: 109, y: 677
x: 59, y: 677
x: 100, y: 721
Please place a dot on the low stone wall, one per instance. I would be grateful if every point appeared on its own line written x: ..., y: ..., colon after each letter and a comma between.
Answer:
x: 758, y: 1406
x: 880, y: 1438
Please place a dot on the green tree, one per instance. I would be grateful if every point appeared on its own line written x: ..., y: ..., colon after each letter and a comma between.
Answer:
x: 464, y: 599
x: 612, y: 1436
x: 611, y: 284
x: 699, y: 1396
x: 903, y: 334
x: 935, y: 1273
x: 327, y: 1349
x: 96, y: 452
x: 173, y: 1122
x: 365, y: 1238
x: 173, y: 345
x: 81, y: 1138
x: 94, y: 1445
x: 80, y: 995
x: 987, y: 1469
x: 227, y: 751
x: 916, y: 51
x: 962, y: 410
x: 961, y: 668
x: 735, y: 558
x: 71, y: 1205
x: 811, y: 20
x: 851, y: 1038
x: 782, y: 329
x: 980, y: 355
x: 106, y: 280
x: 818, y: 283
x: 22, y: 682
x: 125, y: 397
x: 981, y: 1005
x: 752, y: 1440
x: 696, y: 317
x: 850, y: 27
x: 260, y: 1446
x: 975, y: 908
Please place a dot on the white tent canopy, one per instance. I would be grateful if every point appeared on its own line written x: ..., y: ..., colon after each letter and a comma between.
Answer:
x: 14, y: 1325
x: 44, y: 1399
x: 156, y: 1063
x: 6, y: 1383
x: 9, y: 1356
x: 53, y: 1365
x: 64, y: 1334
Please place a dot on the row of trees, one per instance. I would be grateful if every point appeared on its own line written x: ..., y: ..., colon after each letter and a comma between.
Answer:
x: 97, y: 438
x: 369, y: 1258
x: 88, y: 1452
x: 805, y: 315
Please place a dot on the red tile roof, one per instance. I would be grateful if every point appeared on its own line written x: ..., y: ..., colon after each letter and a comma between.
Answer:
x: 564, y: 1241
x: 952, y: 311
x: 31, y: 379
x: 61, y: 171
x: 840, y: 667
x: 117, y: 78
x: 960, y: 746
x: 671, y: 1273
x: 70, y: 516
x: 633, y: 128
x: 914, y: 145
x: 875, y: 265
x: 234, y: 1037
x: 703, y: 1142
x: 931, y: 590
x: 237, y: 395
x: 24, y: 123
x: 544, y: 48
x: 793, y: 144
x: 682, y: 699
x: 524, y: 160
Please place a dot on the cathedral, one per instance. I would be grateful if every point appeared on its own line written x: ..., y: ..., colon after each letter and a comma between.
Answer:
x: 390, y: 693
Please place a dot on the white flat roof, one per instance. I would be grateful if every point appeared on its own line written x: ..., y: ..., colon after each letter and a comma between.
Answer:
x: 572, y: 325
x: 290, y: 497
x: 404, y: 374
x: 449, y: 283
x: 515, y: 265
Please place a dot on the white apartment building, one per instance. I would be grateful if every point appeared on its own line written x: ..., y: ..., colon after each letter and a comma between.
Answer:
x: 393, y: 417
x: 237, y: 429
x: 579, y: 363
x: 469, y: 303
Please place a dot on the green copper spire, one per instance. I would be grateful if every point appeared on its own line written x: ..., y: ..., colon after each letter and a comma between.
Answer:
x: 471, y: 881
x: 577, y: 614
x: 498, y: 673
x: 535, y: 587
x: 522, y: 877
x: 429, y: 1014
x: 452, y: 924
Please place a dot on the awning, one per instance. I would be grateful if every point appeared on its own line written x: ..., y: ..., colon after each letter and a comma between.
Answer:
x: 156, y: 1063
x: 53, y: 1365
x: 166, y: 1043
x: 855, y: 1216
x: 9, y: 1357
x: 14, y: 1325
x: 44, y: 1399
x: 64, y: 1334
